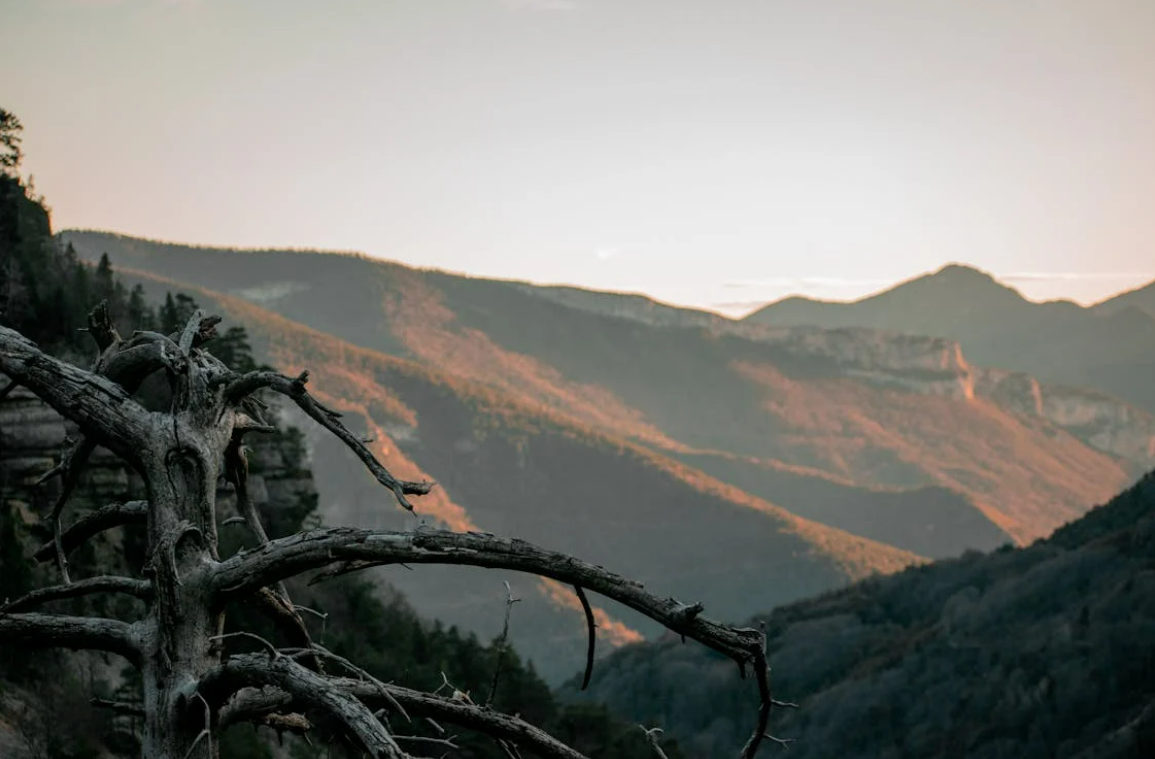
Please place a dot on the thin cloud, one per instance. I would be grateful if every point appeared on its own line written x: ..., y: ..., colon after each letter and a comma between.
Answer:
x: 803, y: 283
x: 738, y: 305
x: 605, y: 254
x: 1061, y: 276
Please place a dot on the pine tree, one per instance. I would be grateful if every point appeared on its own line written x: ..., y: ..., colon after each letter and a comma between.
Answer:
x: 138, y: 311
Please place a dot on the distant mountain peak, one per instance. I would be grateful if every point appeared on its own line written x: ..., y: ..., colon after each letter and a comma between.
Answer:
x: 956, y: 283
x: 965, y: 273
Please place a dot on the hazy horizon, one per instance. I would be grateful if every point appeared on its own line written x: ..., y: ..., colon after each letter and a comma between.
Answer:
x: 715, y: 155
x: 734, y: 310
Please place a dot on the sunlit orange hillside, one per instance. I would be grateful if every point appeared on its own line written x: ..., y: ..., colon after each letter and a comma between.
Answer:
x: 786, y: 413
x: 518, y: 466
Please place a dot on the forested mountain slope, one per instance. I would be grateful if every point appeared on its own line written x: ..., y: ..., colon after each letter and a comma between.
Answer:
x: 513, y: 466
x: 788, y: 415
x: 1142, y: 298
x: 1037, y: 653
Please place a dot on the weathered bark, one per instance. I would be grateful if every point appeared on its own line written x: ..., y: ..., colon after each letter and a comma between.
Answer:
x: 189, y: 690
x: 59, y: 631
x: 94, y: 522
x: 138, y: 588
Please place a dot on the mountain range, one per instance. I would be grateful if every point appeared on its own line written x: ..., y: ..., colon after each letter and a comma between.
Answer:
x: 741, y: 463
x: 1108, y: 347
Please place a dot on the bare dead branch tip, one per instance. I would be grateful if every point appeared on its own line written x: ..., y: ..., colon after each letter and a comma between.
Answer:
x: 591, y: 629
x: 653, y: 735
x: 294, y: 389
x: 502, y: 643
x: 120, y: 707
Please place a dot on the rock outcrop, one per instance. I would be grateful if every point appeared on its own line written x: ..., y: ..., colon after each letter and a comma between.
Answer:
x: 32, y: 437
x: 1103, y: 422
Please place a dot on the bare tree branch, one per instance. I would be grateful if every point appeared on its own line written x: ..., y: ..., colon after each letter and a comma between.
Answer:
x: 315, y: 691
x: 312, y: 550
x: 294, y: 388
x: 464, y: 714
x: 278, y: 606
x: 34, y: 630
x: 70, y: 466
x: 252, y: 705
x: 120, y: 707
x: 131, y: 362
x: 193, y: 328
x: 101, y: 328
x: 237, y: 472
x: 591, y: 627
x: 108, y: 584
x: 502, y: 643
x: 284, y: 615
x: 320, y: 651
x: 249, y: 704
x: 653, y: 735
x: 94, y: 522
x: 446, y: 742
x: 286, y: 557
x: 180, y: 453
x: 100, y: 406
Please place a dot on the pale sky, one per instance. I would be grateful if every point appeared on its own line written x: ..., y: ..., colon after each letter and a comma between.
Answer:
x: 708, y: 152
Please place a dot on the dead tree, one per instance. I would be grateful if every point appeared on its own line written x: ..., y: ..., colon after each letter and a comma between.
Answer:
x: 190, y: 688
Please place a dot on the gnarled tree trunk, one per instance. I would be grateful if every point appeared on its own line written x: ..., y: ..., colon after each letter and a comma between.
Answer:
x: 190, y: 690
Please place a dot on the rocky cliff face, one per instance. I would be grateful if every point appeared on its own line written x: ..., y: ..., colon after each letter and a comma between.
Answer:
x: 32, y: 436
x: 936, y: 366
x: 1105, y: 423
x: 926, y: 365
x: 913, y: 363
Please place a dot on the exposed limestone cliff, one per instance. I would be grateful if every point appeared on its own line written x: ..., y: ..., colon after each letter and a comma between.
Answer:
x: 1105, y: 423
x: 926, y: 365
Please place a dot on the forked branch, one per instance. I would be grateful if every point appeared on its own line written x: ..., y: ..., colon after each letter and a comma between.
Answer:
x: 254, y: 704
x: 315, y: 691
x: 294, y: 388
x: 291, y: 556
x: 464, y: 714
x: 102, y: 408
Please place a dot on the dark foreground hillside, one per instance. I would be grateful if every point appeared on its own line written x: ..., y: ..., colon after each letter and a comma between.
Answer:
x: 1046, y: 651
